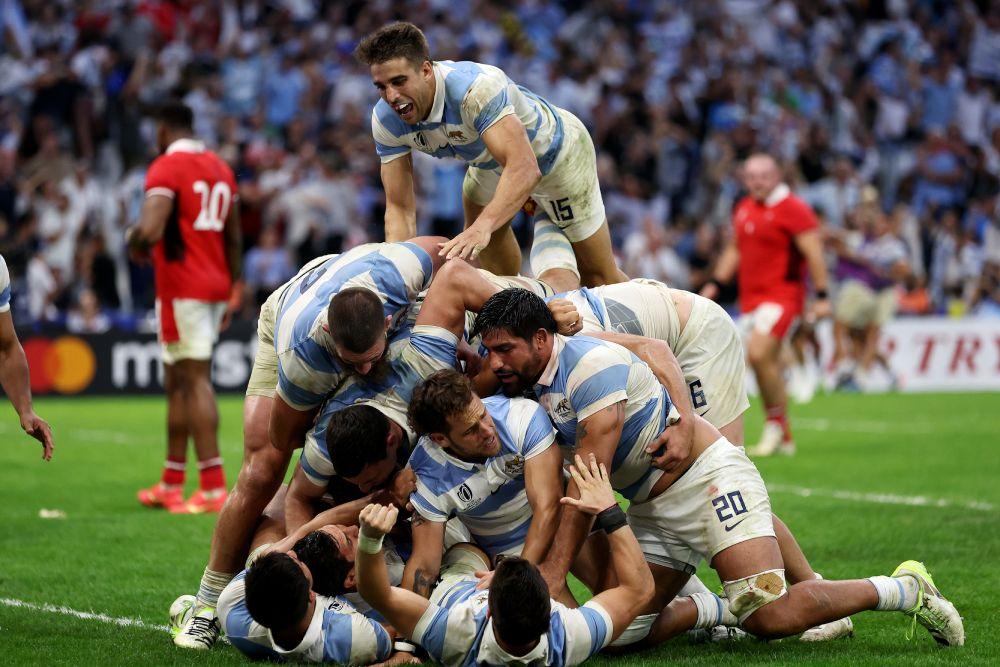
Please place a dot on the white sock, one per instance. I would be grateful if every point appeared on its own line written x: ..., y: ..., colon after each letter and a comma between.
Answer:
x: 895, y: 593
x: 693, y: 585
x: 712, y: 611
x: 212, y: 583
x: 550, y: 248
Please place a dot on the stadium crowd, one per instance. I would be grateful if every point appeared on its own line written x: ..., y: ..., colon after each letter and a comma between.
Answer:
x: 891, y: 105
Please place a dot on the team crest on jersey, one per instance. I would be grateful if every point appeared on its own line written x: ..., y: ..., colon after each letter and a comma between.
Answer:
x: 563, y: 409
x: 456, y: 134
x: 465, y: 495
x: 338, y: 606
x: 514, y: 466
x: 419, y: 138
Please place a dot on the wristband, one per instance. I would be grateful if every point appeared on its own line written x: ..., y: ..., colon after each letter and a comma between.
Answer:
x: 369, y: 545
x: 404, y: 647
x: 611, y: 519
x: 821, y: 294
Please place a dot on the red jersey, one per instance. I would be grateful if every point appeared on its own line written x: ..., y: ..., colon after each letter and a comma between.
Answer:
x: 190, y: 260
x: 771, y: 266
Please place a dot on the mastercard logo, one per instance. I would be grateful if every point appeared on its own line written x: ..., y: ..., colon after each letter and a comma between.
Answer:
x: 65, y: 365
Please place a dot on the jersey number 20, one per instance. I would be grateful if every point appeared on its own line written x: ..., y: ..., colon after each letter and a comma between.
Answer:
x: 214, y: 205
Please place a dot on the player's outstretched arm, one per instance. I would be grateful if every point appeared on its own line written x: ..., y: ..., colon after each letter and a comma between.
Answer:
x: 345, y: 514
x: 597, y: 435
x: 300, y: 501
x: 430, y: 245
x: 635, y: 582
x: 422, y: 568
x: 508, y: 143
x: 725, y: 269
x: 400, y: 202
x: 673, y: 446
x: 457, y: 287
x: 400, y: 607
x: 17, y: 385
x: 543, y: 484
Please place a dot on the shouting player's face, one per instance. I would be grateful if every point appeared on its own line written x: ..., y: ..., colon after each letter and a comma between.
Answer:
x: 516, y: 362
x: 407, y: 89
x: 472, y: 435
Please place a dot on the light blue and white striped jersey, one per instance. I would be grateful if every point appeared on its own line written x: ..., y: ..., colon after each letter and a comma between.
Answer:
x: 308, y: 368
x: 585, y: 375
x: 460, y: 632
x: 468, y: 99
x: 413, y: 355
x: 4, y: 286
x: 337, y: 633
x: 489, y: 498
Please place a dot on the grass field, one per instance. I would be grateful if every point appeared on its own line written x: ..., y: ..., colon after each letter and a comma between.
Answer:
x: 877, y: 480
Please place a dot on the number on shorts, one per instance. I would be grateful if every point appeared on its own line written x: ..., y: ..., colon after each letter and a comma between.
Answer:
x: 724, y: 503
x: 561, y: 210
x: 698, y: 400
x: 214, y: 205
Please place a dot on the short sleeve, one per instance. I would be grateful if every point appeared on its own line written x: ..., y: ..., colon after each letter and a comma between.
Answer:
x: 486, y: 102
x: 588, y: 630
x: 599, y: 380
x: 797, y: 217
x: 354, y: 639
x: 4, y: 286
x: 315, y: 460
x: 539, y: 433
x: 388, y: 146
x: 161, y: 179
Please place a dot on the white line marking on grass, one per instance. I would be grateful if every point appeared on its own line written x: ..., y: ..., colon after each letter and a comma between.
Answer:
x: 66, y: 611
x: 881, y: 498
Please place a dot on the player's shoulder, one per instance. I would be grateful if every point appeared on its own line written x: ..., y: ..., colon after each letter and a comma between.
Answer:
x: 464, y: 76
x: 793, y: 203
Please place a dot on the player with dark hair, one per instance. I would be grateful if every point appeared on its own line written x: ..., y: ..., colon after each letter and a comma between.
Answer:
x: 515, y: 621
x: 604, y: 401
x: 190, y: 221
x: 489, y: 462
x: 517, y: 146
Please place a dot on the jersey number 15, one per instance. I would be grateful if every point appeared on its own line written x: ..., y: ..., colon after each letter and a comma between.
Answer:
x: 214, y: 205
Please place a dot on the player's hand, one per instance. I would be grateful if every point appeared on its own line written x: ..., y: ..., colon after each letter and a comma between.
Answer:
x: 377, y: 520
x: 710, y: 290
x: 468, y: 244
x: 471, y: 359
x: 820, y: 310
x: 485, y: 579
x: 400, y: 658
x: 673, y: 446
x: 567, y: 316
x: 402, y: 485
x: 592, y: 480
x: 40, y: 430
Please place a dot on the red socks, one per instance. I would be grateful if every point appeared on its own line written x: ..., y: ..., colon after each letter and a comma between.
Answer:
x: 211, y: 475
x: 779, y: 415
x: 173, y: 472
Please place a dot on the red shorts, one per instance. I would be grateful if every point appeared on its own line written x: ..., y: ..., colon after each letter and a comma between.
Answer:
x: 772, y: 318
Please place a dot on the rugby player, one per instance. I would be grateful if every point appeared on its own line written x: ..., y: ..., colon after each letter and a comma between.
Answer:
x: 490, y: 462
x: 604, y: 401
x: 190, y: 220
x: 516, y: 621
x: 14, y: 376
x: 775, y: 237
x: 515, y: 143
x: 335, y: 319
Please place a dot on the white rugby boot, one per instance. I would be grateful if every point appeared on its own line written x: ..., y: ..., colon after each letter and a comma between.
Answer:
x: 825, y: 632
x: 772, y: 441
x: 200, y: 631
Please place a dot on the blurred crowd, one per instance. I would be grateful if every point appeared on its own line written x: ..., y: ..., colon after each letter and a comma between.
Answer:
x: 893, y: 103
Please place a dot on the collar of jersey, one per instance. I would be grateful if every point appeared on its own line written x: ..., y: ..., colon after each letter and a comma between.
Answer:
x: 491, y: 653
x: 313, y: 634
x: 436, y: 114
x: 778, y: 195
x: 549, y: 374
x: 186, y: 145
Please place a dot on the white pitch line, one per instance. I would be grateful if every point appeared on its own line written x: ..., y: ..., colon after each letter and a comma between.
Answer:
x: 66, y: 611
x: 881, y: 498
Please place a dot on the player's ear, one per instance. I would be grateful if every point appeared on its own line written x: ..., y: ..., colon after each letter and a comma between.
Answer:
x: 388, y: 321
x: 312, y: 595
x: 438, y: 439
x: 350, y: 581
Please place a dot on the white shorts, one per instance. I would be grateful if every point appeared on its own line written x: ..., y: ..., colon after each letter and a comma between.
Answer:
x: 458, y: 565
x: 569, y: 193
x: 710, y: 353
x: 188, y: 328
x: 720, y: 501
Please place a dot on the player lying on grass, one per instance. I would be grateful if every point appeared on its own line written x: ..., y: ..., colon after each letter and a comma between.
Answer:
x: 515, y: 621
x: 334, y: 320
x: 490, y: 463
x: 604, y: 401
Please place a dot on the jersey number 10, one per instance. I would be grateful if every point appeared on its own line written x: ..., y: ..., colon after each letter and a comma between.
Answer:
x: 214, y: 205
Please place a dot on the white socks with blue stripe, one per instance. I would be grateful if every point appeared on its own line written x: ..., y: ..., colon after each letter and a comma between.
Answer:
x: 896, y: 593
x: 550, y: 248
x: 712, y: 611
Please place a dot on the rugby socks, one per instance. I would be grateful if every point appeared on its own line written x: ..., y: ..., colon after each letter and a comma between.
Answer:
x: 173, y: 473
x: 896, y: 593
x: 712, y: 611
x: 550, y: 248
x: 211, y: 586
x: 779, y: 415
x: 211, y: 475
